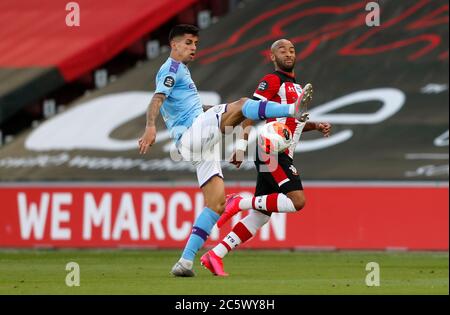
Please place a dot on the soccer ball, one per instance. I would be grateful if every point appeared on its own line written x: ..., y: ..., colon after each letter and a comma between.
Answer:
x: 274, y: 137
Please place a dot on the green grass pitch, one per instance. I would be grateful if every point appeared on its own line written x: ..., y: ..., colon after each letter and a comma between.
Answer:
x: 251, y: 272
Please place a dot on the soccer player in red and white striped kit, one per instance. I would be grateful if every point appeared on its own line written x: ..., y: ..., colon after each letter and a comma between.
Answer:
x: 279, y: 190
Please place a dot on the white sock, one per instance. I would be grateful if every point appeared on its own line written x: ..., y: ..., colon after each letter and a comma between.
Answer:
x: 255, y: 220
x: 285, y: 204
x: 291, y: 109
x: 232, y: 240
x: 245, y: 203
x: 220, y: 250
x: 252, y: 223
x: 272, y: 203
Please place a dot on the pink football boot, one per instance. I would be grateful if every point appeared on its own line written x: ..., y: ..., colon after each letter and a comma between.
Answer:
x: 231, y: 208
x: 214, y: 263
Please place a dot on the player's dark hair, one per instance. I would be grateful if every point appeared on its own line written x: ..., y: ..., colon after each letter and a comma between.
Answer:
x: 181, y: 29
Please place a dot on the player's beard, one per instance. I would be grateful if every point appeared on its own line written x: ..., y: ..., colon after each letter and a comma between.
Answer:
x: 284, y: 67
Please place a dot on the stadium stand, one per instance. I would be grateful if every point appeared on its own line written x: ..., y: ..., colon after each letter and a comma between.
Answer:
x: 42, y: 52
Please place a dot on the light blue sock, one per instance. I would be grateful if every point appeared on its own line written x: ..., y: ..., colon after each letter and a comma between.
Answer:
x: 200, y: 231
x: 261, y: 110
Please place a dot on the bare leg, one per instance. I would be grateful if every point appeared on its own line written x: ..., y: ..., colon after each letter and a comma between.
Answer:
x: 233, y: 116
x: 298, y: 198
x: 214, y: 194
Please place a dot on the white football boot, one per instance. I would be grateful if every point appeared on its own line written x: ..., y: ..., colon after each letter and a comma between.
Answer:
x: 301, y: 105
x: 178, y: 270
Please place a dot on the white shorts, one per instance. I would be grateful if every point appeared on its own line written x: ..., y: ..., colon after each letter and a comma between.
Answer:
x: 200, y: 144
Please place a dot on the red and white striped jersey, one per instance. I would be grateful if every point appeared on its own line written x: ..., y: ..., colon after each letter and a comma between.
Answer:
x: 281, y: 87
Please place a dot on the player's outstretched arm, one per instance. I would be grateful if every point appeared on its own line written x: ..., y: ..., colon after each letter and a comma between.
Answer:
x: 323, y: 127
x: 149, y: 136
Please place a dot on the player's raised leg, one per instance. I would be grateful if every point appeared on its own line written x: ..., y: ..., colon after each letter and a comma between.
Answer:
x: 261, y: 110
x: 276, y: 202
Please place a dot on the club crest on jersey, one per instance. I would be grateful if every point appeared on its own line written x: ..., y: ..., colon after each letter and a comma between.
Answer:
x: 293, y: 170
x: 263, y: 86
x: 169, y: 81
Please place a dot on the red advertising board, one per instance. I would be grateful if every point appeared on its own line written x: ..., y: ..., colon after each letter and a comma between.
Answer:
x: 341, y: 216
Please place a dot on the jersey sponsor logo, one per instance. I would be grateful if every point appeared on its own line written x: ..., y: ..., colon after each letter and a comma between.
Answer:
x: 263, y: 86
x: 169, y: 81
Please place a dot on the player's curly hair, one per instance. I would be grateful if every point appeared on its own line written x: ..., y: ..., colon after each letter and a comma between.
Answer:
x: 181, y: 29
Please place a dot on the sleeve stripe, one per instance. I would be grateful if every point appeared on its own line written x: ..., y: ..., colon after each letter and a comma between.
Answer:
x: 260, y: 97
x: 174, y: 67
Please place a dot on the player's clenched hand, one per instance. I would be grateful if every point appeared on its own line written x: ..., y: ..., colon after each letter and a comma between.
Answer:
x: 325, y: 128
x: 147, y: 139
x: 237, y: 157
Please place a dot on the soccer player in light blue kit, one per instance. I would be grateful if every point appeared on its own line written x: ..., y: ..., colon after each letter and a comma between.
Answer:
x: 195, y: 131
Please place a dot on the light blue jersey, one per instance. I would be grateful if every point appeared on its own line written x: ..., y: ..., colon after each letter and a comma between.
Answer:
x: 182, y: 104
